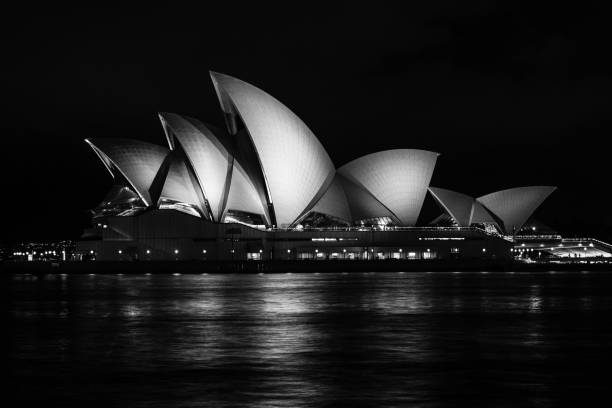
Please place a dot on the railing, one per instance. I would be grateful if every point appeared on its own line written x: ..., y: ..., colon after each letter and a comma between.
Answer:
x: 549, y: 237
x: 374, y: 229
x: 602, y: 243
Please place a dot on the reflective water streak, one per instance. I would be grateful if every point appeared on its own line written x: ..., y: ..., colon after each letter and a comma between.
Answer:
x: 373, y: 339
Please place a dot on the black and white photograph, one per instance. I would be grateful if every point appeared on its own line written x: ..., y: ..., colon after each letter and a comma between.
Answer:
x: 290, y: 204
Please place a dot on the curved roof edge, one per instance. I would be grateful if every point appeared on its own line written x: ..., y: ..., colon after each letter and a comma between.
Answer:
x: 462, y: 208
x: 332, y: 202
x: 286, y: 148
x: 458, y: 205
x: 514, y: 206
x: 138, y: 162
x: 206, y: 154
x: 397, y: 178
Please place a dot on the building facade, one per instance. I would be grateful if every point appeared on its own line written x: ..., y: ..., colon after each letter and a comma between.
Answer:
x: 264, y: 188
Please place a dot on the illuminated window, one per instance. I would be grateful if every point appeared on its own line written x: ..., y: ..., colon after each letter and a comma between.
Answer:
x: 305, y: 255
x: 253, y: 256
x: 429, y: 255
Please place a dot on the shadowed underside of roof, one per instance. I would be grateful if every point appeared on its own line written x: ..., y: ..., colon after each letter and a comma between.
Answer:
x: 334, y: 202
x: 465, y: 210
x: 457, y: 205
x: 362, y: 204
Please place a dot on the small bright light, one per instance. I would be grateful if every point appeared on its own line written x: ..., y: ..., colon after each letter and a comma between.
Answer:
x: 533, y: 228
x: 148, y: 251
x: 401, y: 250
x: 203, y: 251
x: 484, y: 249
x: 288, y: 251
x: 428, y: 250
x: 176, y: 251
x: 232, y: 251
x: 523, y: 244
x: 91, y: 252
x: 260, y: 251
x: 344, y: 250
x: 316, y: 250
x: 591, y: 245
x: 105, y: 226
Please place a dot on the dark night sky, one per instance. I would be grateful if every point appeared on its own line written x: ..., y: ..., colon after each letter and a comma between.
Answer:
x: 510, y: 94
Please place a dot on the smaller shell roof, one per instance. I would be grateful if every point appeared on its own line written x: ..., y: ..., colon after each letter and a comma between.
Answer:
x: 138, y: 162
x: 465, y: 210
x: 515, y: 205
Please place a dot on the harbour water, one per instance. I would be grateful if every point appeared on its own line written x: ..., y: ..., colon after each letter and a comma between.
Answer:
x: 354, y: 339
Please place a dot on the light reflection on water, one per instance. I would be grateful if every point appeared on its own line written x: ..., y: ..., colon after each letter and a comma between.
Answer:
x: 364, y: 339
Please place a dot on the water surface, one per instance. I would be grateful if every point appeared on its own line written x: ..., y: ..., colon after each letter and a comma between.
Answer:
x: 377, y: 339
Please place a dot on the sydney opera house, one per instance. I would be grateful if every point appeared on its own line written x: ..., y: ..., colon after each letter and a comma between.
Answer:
x: 263, y: 188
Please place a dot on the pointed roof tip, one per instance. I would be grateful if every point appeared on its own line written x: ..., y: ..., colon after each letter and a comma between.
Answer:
x: 214, y: 74
x: 165, y: 115
x: 90, y: 142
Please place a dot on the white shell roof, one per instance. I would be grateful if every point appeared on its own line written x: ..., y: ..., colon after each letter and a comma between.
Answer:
x: 179, y: 186
x: 295, y: 164
x: 209, y: 158
x: 515, y: 205
x: 465, y: 210
x: 137, y: 161
x: 457, y: 205
x: 242, y: 194
x: 397, y: 178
